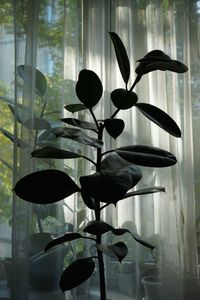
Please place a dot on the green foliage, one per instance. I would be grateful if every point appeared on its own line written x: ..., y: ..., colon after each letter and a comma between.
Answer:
x: 116, y: 170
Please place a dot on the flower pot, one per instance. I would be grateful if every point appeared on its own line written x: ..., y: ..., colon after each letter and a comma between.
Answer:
x: 152, y: 287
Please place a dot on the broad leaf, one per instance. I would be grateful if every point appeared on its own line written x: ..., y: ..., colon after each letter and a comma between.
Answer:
x: 115, y: 162
x: 117, y: 251
x: 14, y: 139
x: 158, y: 60
x: 88, y: 200
x: 89, y: 88
x: 151, y: 190
x: 115, y: 183
x: 46, y: 186
x: 36, y: 123
x: 78, y: 136
x: 123, y: 99
x: 51, y: 152
x: 80, y: 124
x: 114, y: 127
x: 122, y: 57
x: 75, y: 107
x: 28, y: 74
x: 147, y: 156
x: 159, y: 117
x: 97, y: 227
x: 76, y: 273
x: 67, y: 237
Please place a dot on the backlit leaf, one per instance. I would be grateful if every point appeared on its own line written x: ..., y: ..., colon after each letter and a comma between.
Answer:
x: 67, y: 237
x: 123, y: 99
x: 81, y: 124
x: 151, y: 190
x: 114, y: 162
x: 51, y: 152
x: 117, y: 251
x: 46, y: 186
x: 114, y: 127
x: 97, y: 227
x: 75, y: 107
x: 89, y: 88
x: 76, y: 273
x: 160, y: 118
x: 122, y: 57
x: 14, y: 139
x: 36, y: 123
x: 28, y: 74
x: 147, y: 156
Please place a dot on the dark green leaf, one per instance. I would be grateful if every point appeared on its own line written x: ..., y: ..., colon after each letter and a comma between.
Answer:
x: 75, y: 107
x: 147, y: 156
x: 117, y: 251
x: 46, y: 186
x: 123, y: 99
x: 14, y: 139
x: 158, y: 60
x: 51, y: 152
x: 115, y: 162
x: 114, y: 127
x: 115, y: 183
x: 36, y: 123
x: 97, y: 227
x: 159, y: 117
x: 81, y: 124
x: 67, y: 237
x: 122, y: 57
x: 28, y: 74
x: 76, y: 273
x: 88, y: 200
x: 89, y: 88
x: 151, y: 190
x: 78, y: 136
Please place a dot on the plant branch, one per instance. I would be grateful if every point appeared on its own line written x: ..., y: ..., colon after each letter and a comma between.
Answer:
x: 94, y: 118
x: 137, y: 79
x: 83, y: 156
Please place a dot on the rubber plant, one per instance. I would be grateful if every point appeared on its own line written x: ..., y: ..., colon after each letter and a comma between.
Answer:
x: 117, y: 171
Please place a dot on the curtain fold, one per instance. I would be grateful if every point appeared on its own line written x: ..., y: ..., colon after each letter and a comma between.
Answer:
x: 60, y: 38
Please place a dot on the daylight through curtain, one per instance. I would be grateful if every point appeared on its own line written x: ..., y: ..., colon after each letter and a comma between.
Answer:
x: 59, y: 38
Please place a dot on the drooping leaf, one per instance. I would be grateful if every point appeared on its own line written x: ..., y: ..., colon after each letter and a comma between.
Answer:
x: 117, y: 251
x: 147, y: 156
x: 77, y: 135
x: 121, y: 55
x: 151, y: 190
x: 114, y: 127
x: 76, y: 273
x: 123, y: 99
x: 80, y: 124
x: 67, y: 237
x: 110, y: 186
x: 115, y: 162
x: 14, y: 139
x: 89, y: 88
x: 36, y: 123
x: 158, y: 60
x: 28, y: 74
x: 46, y: 186
x: 160, y: 118
x: 97, y: 227
x: 51, y: 152
x: 75, y: 107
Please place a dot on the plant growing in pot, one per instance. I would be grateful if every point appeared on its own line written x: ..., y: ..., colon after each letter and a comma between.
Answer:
x: 117, y: 170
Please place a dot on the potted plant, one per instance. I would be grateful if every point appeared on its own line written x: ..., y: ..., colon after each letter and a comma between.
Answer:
x: 116, y: 171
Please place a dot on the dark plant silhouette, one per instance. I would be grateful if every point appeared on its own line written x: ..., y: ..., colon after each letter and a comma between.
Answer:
x: 116, y: 170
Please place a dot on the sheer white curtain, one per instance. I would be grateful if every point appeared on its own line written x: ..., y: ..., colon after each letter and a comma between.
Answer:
x: 60, y: 38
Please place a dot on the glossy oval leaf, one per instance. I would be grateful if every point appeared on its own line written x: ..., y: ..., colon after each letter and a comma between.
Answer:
x: 121, y: 55
x: 89, y: 88
x: 114, y: 162
x: 123, y: 99
x: 51, y: 152
x: 160, y: 118
x: 97, y: 227
x: 67, y: 237
x: 75, y: 107
x: 80, y: 124
x: 46, y: 186
x: 13, y: 139
x: 117, y: 251
x: 76, y: 273
x: 151, y: 190
x: 28, y: 73
x: 147, y: 156
x: 115, y: 183
x: 114, y: 127
x: 78, y: 136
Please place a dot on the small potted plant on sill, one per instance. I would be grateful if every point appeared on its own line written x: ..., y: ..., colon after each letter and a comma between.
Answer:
x: 117, y: 170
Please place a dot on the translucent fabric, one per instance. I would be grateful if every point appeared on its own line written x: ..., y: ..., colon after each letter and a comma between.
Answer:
x: 60, y: 38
